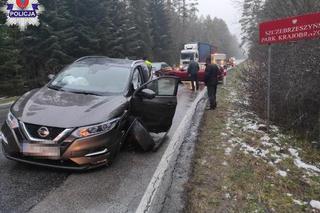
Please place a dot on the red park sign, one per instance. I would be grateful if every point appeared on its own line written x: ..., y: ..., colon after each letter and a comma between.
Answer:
x: 290, y: 29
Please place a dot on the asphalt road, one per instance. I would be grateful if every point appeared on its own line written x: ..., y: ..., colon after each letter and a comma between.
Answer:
x: 117, y: 188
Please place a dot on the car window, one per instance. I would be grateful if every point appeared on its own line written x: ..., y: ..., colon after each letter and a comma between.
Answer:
x: 95, y: 78
x: 157, y: 66
x: 136, y: 79
x: 164, y: 66
x: 163, y: 86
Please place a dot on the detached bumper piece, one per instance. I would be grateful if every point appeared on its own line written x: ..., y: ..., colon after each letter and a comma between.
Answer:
x: 146, y: 140
x: 142, y: 136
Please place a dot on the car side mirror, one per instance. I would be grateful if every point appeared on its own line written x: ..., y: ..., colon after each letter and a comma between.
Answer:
x: 51, y: 76
x: 147, y: 93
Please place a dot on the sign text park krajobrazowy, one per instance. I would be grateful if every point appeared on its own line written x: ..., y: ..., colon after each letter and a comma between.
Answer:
x: 290, y: 29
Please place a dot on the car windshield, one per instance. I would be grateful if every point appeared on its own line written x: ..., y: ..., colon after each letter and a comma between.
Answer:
x: 157, y: 66
x: 93, y: 79
x: 185, y: 56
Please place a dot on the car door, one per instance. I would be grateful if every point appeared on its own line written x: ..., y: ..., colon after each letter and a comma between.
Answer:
x: 156, y: 113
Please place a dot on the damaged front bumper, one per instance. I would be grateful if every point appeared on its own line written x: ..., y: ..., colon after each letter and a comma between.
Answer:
x: 74, y: 153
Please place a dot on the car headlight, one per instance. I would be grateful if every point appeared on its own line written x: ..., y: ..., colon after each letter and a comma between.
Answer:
x: 12, y: 121
x: 96, y: 129
x: 3, y: 138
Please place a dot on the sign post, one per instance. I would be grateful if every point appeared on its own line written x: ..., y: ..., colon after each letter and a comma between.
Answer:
x: 269, y: 86
x: 285, y: 30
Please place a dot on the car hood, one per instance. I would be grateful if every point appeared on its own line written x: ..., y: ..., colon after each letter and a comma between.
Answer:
x: 67, y: 110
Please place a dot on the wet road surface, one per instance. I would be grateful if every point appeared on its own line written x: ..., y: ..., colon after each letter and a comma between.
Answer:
x: 117, y: 188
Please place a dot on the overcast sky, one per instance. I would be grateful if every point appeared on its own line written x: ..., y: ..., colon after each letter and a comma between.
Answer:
x: 228, y: 10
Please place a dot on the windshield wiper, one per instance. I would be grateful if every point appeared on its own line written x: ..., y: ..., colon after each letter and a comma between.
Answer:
x: 73, y: 91
x: 85, y: 93
x: 56, y: 88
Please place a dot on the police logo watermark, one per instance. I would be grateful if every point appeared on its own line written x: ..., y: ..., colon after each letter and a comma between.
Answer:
x: 22, y: 13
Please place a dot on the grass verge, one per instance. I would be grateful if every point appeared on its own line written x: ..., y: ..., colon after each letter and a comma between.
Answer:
x: 237, y: 167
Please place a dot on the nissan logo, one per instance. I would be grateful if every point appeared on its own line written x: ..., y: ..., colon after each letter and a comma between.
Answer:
x: 43, y: 132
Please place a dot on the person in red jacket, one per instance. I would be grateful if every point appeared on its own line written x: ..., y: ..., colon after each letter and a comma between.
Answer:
x: 211, y: 81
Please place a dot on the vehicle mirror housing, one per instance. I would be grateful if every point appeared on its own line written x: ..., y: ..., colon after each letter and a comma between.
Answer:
x: 51, y: 76
x: 147, y: 93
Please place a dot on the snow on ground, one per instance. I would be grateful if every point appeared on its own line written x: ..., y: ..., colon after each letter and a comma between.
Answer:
x: 298, y: 202
x: 268, y: 147
x: 300, y: 164
x: 228, y: 151
x: 315, y: 204
x: 282, y: 173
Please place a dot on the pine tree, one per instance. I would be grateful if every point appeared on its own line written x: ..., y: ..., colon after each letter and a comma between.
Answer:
x: 139, y: 42
x: 160, y: 30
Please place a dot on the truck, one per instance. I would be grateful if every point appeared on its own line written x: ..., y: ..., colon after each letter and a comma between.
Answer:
x: 219, y: 58
x: 197, y: 51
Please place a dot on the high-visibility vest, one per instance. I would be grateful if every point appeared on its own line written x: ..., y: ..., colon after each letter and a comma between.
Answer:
x: 149, y: 64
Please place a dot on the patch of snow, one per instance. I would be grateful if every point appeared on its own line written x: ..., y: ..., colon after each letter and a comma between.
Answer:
x: 250, y: 126
x: 315, y: 204
x: 276, y: 140
x: 293, y: 152
x: 289, y: 195
x: 270, y: 163
x: 277, y: 161
x: 285, y: 156
x: 282, y: 173
x: 257, y: 152
x: 276, y: 148
x: 233, y: 94
x: 234, y: 140
x: 298, y: 202
x: 300, y: 164
x: 274, y: 155
x: 225, y: 163
x: 266, y: 144
x: 224, y: 134
x: 265, y: 138
x: 228, y: 196
x: 228, y: 151
x: 274, y: 128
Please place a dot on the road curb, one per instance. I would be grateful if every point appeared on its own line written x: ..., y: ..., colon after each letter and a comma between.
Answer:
x: 154, y: 196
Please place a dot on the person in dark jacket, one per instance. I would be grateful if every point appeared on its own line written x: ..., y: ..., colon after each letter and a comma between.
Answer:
x: 193, y: 70
x: 211, y: 81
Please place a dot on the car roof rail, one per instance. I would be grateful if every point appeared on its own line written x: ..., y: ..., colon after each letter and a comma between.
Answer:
x: 87, y: 57
x: 136, y: 62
